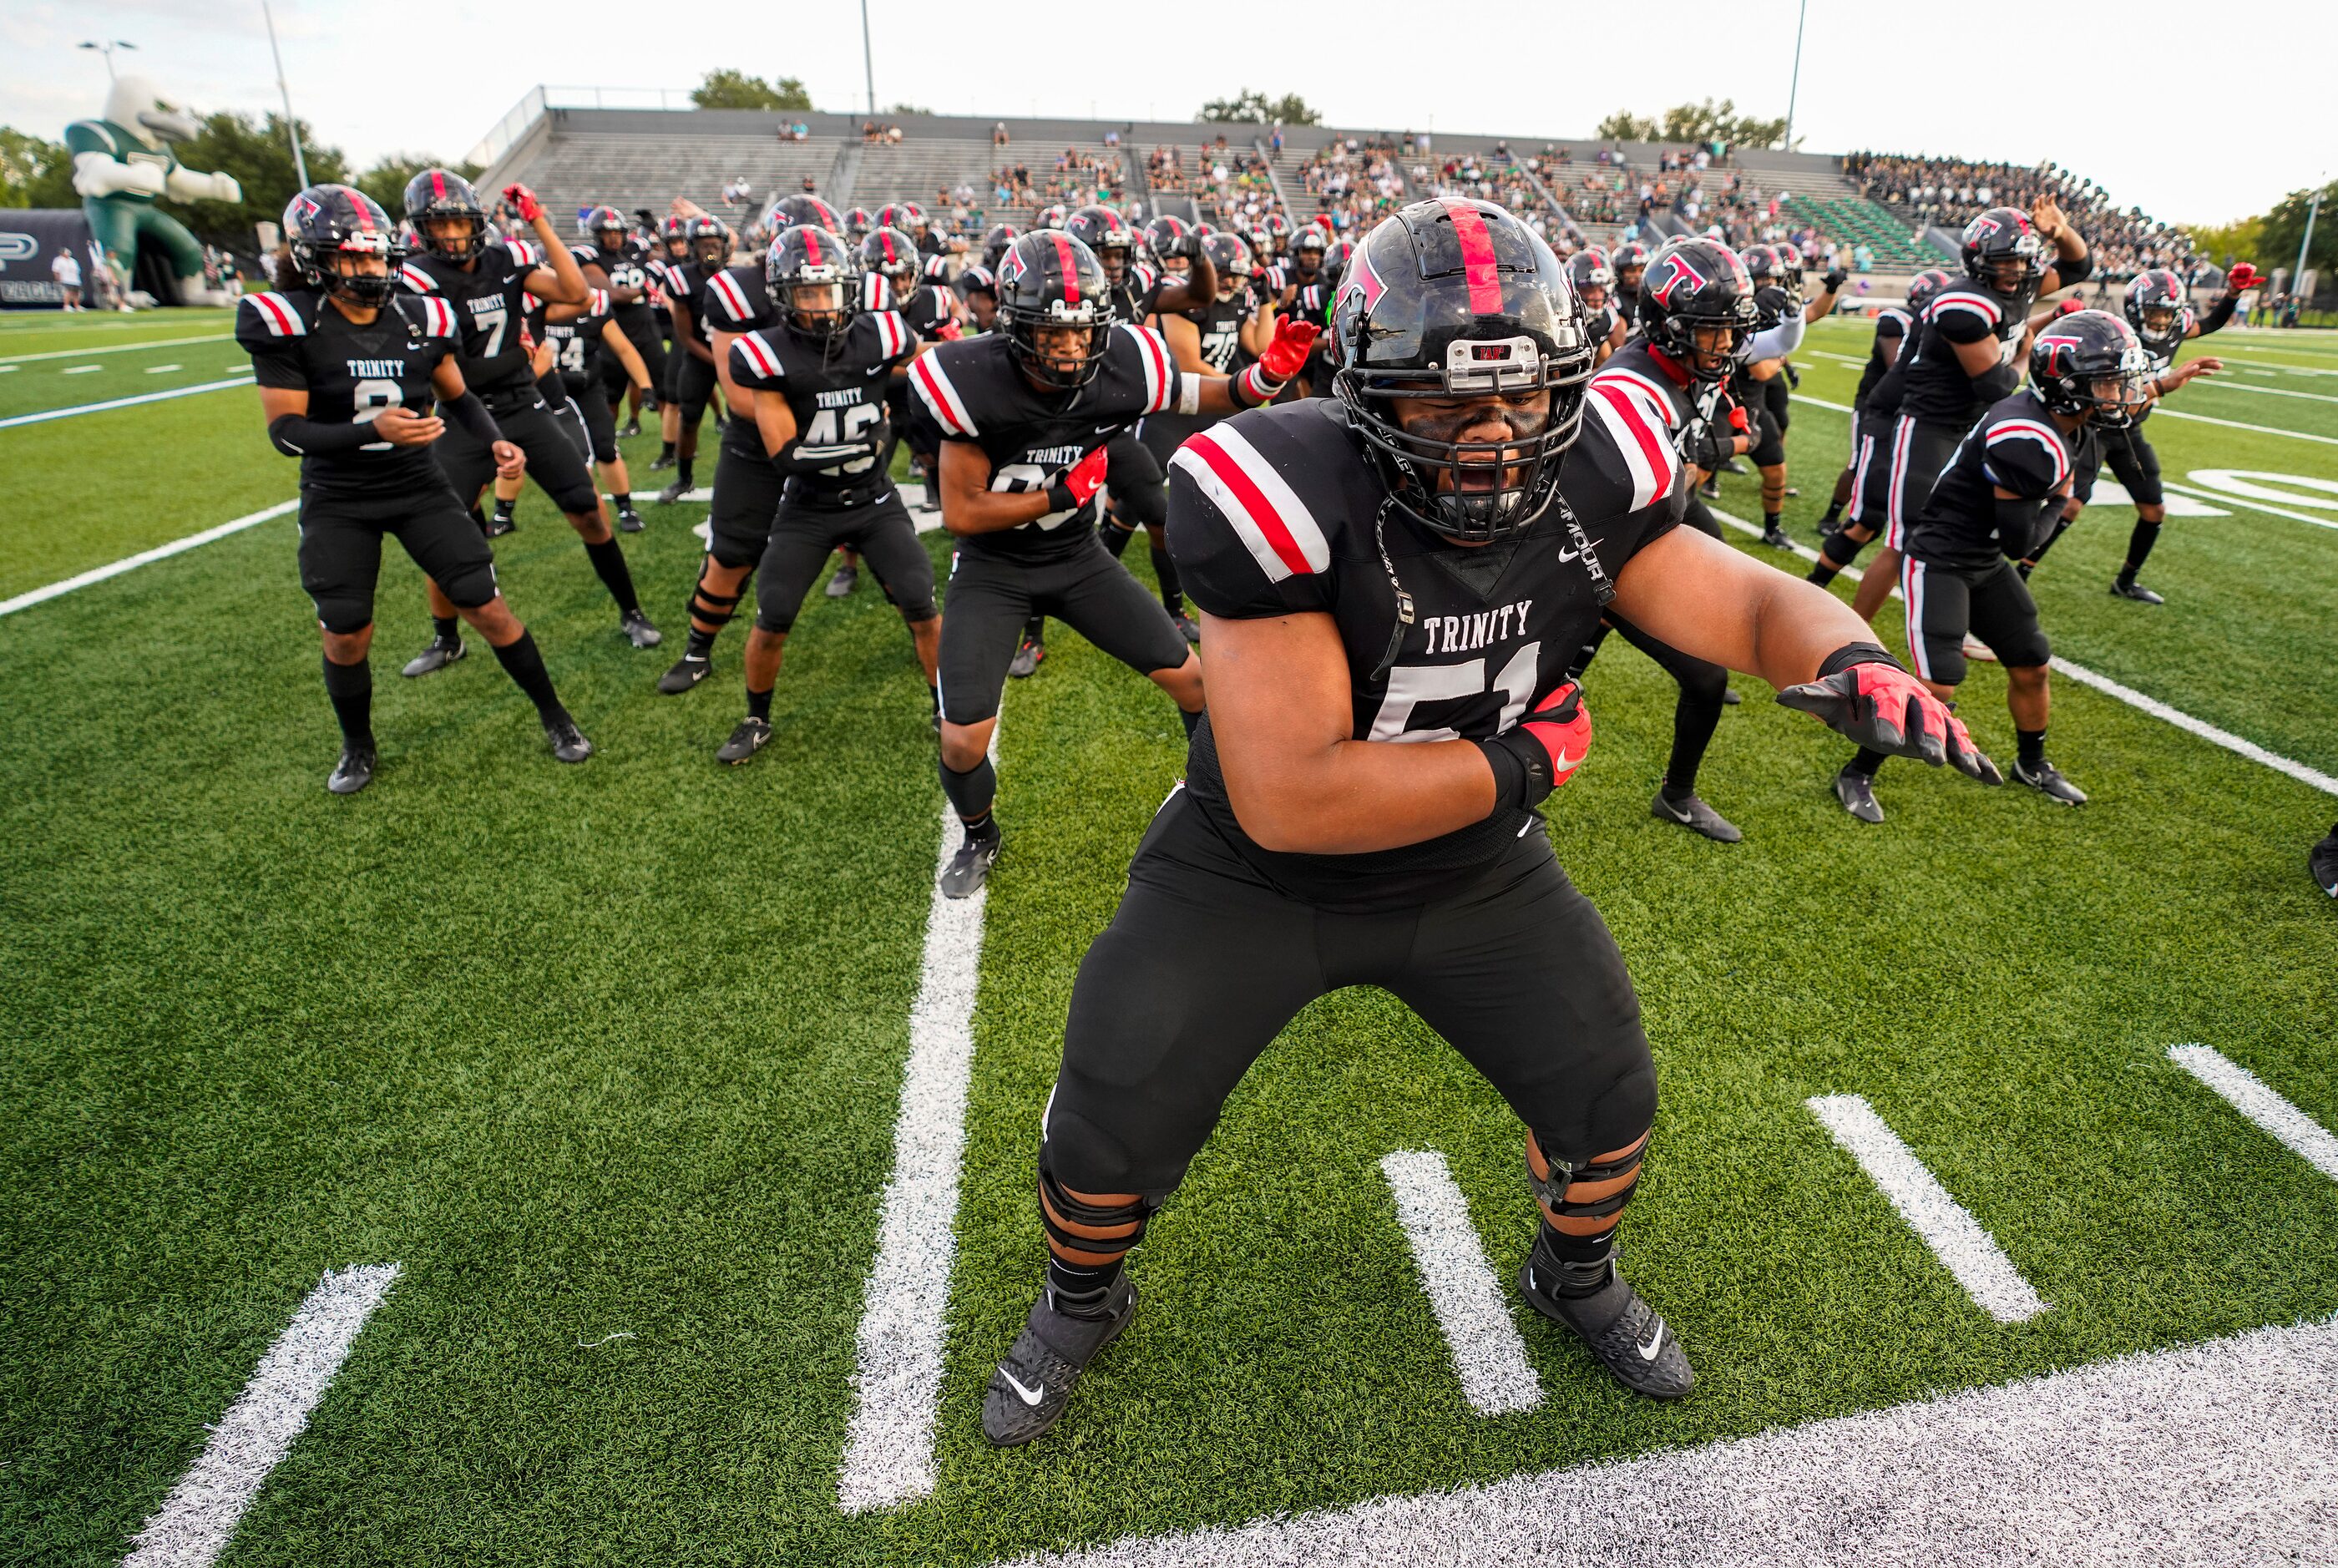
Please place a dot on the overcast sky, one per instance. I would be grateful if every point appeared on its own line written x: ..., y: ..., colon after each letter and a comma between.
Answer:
x: 2194, y: 118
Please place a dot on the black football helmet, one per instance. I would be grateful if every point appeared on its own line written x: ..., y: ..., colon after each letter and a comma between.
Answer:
x: 1458, y: 298
x: 1048, y: 281
x: 1108, y: 234
x: 1630, y: 261
x: 1164, y: 240
x: 857, y: 221
x: 1923, y: 286
x: 814, y: 281
x: 2004, y: 254
x: 1335, y: 266
x: 1695, y: 287
x: 2075, y: 356
x: 803, y: 211
x: 995, y: 245
x: 673, y: 236
x: 709, y: 245
x: 1307, y: 250
x: 902, y: 215
x: 2155, y: 307
x: 1055, y: 217
x: 440, y: 196
x: 1231, y: 255
x: 606, y: 228
x: 1588, y: 269
x: 326, y: 223
x: 893, y: 256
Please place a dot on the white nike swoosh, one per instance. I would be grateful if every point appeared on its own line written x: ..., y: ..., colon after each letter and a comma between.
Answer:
x: 1562, y: 762
x: 1647, y: 1352
x: 1566, y: 555
x: 1032, y: 1397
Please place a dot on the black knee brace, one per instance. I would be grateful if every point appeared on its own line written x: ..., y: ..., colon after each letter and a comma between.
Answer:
x: 715, y: 609
x: 1055, y: 1202
x: 1550, y: 1191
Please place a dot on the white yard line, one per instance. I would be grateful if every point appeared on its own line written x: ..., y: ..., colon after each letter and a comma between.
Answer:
x: 1488, y: 1356
x: 2165, y: 413
x: 1822, y: 403
x: 896, y: 1379
x: 160, y: 552
x: 163, y: 370
x: 196, y: 1521
x: 115, y: 349
x: 2302, y: 773
x: 1946, y: 1226
x: 2219, y: 497
x: 2249, y: 1094
x: 46, y: 415
x: 80, y: 370
x: 2222, y: 1453
x: 2230, y: 385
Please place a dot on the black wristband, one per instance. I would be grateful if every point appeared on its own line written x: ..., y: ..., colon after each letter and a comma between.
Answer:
x: 1851, y: 653
x: 1061, y: 499
x: 1519, y: 780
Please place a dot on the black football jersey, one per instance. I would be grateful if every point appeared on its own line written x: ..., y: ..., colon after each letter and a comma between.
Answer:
x: 664, y: 284
x: 1272, y: 512
x: 624, y: 268
x: 576, y: 345
x: 735, y: 299
x: 972, y: 391
x: 1891, y: 325
x: 2017, y: 447
x: 928, y: 308
x: 351, y: 373
x: 1681, y: 405
x: 1600, y: 324
x: 1133, y: 297
x: 1934, y: 387
x: 491, y: 301
x: 844, y: 437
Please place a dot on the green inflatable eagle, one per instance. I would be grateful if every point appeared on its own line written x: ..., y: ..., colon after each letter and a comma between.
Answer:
x: 123, y: 163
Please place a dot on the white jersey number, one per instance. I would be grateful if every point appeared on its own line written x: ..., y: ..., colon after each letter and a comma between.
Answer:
x: 372, y: 398
x: 1409, y: 685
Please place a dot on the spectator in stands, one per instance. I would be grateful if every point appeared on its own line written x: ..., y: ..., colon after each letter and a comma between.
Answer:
x: 999, y: 137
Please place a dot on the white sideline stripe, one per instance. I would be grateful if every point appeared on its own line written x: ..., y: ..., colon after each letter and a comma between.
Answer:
x: 896, y: 1379
x: 1821, y: 402
x: 2165, y: 413
x: 158, y: 370
x: 2218, y: 1452
x: 196, y: 1521
x: 1840, y: 358
x: 80, y: 370
x: 115, y: 348
x: 2207, y: 731
x: 2219, y: 497
x: 1947, y: 1227
x: 47, y: 413
x: 25, y: 601
x: 2254, y: 1099
x: 1487, y: 1353
x: 2271, y: 391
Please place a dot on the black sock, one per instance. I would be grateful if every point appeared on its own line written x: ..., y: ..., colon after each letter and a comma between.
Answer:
x: 2029, y: 745
x: 1866, y: 762
x: 609, y: 562
x: 933, y: 695
x: 445, y: 628
x: 1080, y: 1289
x: 1173, y: 591
x: 758, y: 704
x: 1579, y: 1263
x: 624, y: 500
x: 1824, y: 573
x: 2138, y: 548
x: 1192, y: 722
x: 665, y: 449
x: 524, y: 665
x: 698, y: 644
x: 970, y: 794
x: 1696, y: 714
x: 682, y: 472
x: 503, y: 508
x: 1832, y: 515
x: 1116, y: 538
x: 350, y: 686
x: 1036, y: 629
x: 1771, y: 519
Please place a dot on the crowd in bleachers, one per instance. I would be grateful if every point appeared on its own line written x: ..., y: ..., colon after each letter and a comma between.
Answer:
x: 1076, y: 180
x: 1354, y: 179
x: 1949, y: 191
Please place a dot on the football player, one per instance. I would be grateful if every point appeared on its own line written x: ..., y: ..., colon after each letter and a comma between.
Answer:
x: 1391, y: 599
x: 612, y: 259
x: 817, y: 383
x: 487, y: 284
x: 696, y: 378
x: 672, y: 250
x: 1631, y: 263
x: 1994, y: 504
x: 1759, y: 387
x: 1871, y: 427
x: 1026, y: 418
x: 1594, y: 281
x: 580, y: 335
x: 348, y: 369
x: 1222, y: 338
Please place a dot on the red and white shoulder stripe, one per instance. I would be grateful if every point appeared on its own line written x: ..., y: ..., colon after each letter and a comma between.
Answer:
x: 733, y: 299
x: 893, y: 335
x: 2046, y: 436
x: 1146, y: 279
x: 1267, y: 515
x: 1658, y: 400
x: 940, y: 396
x: 596, y: 302
x: 1973, y: 304
x: 523, y: 252
x: 282, y: 321
x: 1639, y: 437
x: 416, y: 279
x: 875, y: 294
x: 756, y: 355
x: 439, y: 318
x: 1896, y: 316
x: 1160, y: 370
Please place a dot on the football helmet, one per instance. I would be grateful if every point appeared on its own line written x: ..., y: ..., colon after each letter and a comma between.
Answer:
x: 1693, y: 287
x: 2004, y: 253
x: 327, y: 222
x: 2155, y: 307
x: 442, y: 196
x: 709, y: 245
x: 1588, y: 269
x: 892, y: 255
x: 1458, y: 298
x: 1630, y: 261
x: 606, y: 228
x: 995, y: 244
x: 1231, y: 255
x: 1162, y: 240
x: 814, y: 281
x: 1307, y: 250
x: 1049, y: 280
x: 1055, y: 217
x: 902, y: 215
x: 674, y: 234
x: 801, y: 211
x: 857, y: 223
x: 1923, y: 286
x: 2074, y: 357
x: 1107, y: 233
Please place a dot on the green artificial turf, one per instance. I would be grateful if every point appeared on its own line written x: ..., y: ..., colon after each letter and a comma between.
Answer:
x: 616, y: 1050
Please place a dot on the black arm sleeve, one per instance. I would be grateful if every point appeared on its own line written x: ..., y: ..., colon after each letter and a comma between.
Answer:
x: 2068, y: 272
x: 472, y: 415
x: 298, y: 435
x: 2218, y: 314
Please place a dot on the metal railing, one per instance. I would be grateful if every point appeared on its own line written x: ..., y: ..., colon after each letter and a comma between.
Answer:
x: 505, y: 132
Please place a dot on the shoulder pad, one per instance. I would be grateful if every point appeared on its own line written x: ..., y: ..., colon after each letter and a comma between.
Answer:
x: 1974, y: 303
x: 1257, y: 501
x: 1159, y: 370
x: 875, y: 294
x: 754, y: 362
x: 433, y: 315
x: 523, y: 254
x: 2025, y: 453
x: 729, y: 296
x: 262, y: 316
x: 1653, y: 396
x: 412, y: 276
x: 1628, y: 450
x: 894, y: 337
x: 930, y: 376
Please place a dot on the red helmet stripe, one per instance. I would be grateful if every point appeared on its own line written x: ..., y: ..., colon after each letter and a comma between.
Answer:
x: 1071, y: 272
x: 811, y: 246
x: 1477, y: 257
x: 437, y: 185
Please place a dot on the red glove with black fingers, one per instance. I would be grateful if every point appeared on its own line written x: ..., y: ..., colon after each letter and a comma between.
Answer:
x: 523, y: 202
x: 1543, y: 751
x: 1738, y: 421
x: 2070, y: 307
x: 1079, y: 484
x: 1284, y: 358
x: 1863, y: 694
x: 2243, y: 276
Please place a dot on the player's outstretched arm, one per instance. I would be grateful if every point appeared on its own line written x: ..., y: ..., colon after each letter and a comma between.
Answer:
x: 562, y: 281
x: 1690, y: 589
x: 1197, y: 287
x: 614, y: 338
x: 1285, y: 357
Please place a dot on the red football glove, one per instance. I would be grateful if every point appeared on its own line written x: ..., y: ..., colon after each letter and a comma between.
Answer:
x: 949, y: 331
x: 2070, y: 307
x: 1079, y: 483
x: 2242, y: 276
x: 524, y: 201
x: 1549, y: 745
x: 1882, y: 707
x: 1287, y: 355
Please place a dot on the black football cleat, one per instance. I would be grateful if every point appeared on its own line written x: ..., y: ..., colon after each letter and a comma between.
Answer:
x: 1856, y: 790
x: 846, y: 579
x: 672, y: 494
x: 2322, y: 861
x: 354, y: 771
x: 2048, y: 780
x: 1623, y: 1332
x: 499, y: 525
x: 2129, y: 588
x: 1711, y: 489
x: 662, y: 461
x: 1028, y: 1391
x: 969, y: 868
x: 1028, y: 658
x: 1186, y: 628
x: 1692, y: 813
x: 744, y: 743
x: 1731, y: 697
x: 442, y: 652
x: 638, y: 631
x: 568, y: 743
x: 688, y: 671
x: 632, y: 428
x: 629, y: 521
x: 1775, y: 538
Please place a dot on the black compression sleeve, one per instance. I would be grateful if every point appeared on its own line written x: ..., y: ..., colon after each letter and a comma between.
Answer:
x: 2218, y: 314
x: 2067, y: 272
x: 472, y: 415
x: 298, y: 435
x: 1851, y: 653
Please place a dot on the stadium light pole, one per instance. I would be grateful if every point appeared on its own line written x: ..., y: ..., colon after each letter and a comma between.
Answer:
x: 1795, y: 81
x: 2313, y: 211
x: 106, y: 50
x: 867, y: 60
x: 292, y: 126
